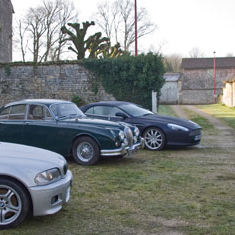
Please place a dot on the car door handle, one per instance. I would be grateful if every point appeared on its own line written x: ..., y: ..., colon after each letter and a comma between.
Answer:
x: 27, y: 123
x: 2, y: 122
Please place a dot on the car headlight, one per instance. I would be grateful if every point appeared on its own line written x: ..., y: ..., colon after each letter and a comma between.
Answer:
x: 47, y: 177
x: 136, y: 131
x: 177, y: 127
x: 121, y: 135
x: 194, y: 123
x: 135, y: 139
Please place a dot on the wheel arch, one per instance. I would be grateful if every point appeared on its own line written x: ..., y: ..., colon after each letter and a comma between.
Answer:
x: 153, y: 126
x: 15, y: 180
x: 160, y: 129
x: 83, y: 135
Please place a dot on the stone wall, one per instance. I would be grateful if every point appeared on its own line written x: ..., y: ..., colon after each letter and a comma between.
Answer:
x: 59, y: 81
x: 198, y: 85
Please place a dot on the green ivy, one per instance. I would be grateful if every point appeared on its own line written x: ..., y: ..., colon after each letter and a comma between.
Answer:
x: 78, y: 100
x: 130, y: 78
x: 8, y: 70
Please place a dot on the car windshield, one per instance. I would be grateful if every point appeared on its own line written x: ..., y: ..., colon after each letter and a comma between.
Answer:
x: 135, y: 110
x: 66, y: 110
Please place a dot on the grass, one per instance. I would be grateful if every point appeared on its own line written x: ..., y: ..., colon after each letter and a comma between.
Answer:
x: 166, y: 110
x: 189, y: 191
x: 203, y: 122
x: 222, y: 112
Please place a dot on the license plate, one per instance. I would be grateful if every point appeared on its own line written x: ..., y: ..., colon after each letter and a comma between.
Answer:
x: 131, y: 152
x: 197, y: 137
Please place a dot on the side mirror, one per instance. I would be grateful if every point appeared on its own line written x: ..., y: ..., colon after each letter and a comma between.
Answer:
x: 122, y: 115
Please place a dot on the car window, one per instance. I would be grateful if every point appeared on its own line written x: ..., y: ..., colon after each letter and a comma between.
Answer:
x: 115, y: 110
x: 5, y: 113
x: 102, y: 110
x: 17, y: 112
x: 135, y: 110
x: 90, y: 111
x: 38, y: 112
x: 66, y: 110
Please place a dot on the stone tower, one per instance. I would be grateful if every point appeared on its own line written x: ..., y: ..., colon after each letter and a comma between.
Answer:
x: 6, y: 11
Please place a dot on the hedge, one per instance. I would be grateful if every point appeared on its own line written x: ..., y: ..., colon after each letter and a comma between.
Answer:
x: 130, y: 78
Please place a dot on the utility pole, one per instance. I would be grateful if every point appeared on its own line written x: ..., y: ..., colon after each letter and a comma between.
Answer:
x: 136, y: 50
x: 214, y: 79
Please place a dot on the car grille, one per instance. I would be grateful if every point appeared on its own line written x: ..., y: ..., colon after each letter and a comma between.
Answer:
x: 195, y: 132
x: 129, y: 136
x: 65, y: 168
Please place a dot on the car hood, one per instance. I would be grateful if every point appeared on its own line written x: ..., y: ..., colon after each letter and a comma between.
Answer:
x: 16, y: 152
x: 24, y: 163
x: 169, y: 119
x: 94, y: 122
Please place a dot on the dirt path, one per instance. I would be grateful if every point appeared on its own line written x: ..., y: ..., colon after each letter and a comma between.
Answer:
x: 178, y: 109
x: 225, y: 135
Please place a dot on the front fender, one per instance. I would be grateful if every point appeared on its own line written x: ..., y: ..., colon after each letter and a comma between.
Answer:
x: 103, y: 137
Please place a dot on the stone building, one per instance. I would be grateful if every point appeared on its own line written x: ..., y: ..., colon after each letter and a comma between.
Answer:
x: 198, y: 78
x: 6, y: 11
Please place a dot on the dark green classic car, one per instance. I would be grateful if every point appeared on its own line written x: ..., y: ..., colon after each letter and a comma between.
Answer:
x: 60, y: 126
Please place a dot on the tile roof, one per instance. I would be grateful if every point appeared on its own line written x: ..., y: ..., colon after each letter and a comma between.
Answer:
x: 172, y: 77
x: 206, y: 63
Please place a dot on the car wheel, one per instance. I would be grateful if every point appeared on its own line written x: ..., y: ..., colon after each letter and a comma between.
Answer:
x: 86, y: 151
x: 154, y: 139
x: 14, y: 204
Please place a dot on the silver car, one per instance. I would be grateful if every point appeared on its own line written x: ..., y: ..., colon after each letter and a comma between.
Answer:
x: 31, y: 179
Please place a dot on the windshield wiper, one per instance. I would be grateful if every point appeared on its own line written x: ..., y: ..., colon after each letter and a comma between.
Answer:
x: 62, y: 117
x: 72, y: 115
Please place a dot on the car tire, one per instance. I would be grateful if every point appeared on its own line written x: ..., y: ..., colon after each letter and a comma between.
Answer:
x: 86, y: 151
x: 14, y: 203
x: 154, y: 139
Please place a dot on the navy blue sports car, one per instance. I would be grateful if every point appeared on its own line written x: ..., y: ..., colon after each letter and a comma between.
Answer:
x: 158, y: 131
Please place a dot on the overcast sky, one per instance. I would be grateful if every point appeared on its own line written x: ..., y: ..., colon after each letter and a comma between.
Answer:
x: 181, y: 24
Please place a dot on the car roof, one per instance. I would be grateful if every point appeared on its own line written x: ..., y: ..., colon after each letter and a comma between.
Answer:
x: 46, y: 102
x: 114, y: 103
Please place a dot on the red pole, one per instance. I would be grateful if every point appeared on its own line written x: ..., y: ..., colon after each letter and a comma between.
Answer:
x: 214, y: 79
x: 136, y: 51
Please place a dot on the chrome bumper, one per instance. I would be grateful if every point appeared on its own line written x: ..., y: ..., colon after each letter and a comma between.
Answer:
x: 124, y: 149
x: 50, y: 198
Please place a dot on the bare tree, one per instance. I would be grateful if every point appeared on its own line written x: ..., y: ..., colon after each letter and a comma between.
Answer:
x: 173, y: 63
x: 57, y: 16
x: 118, y: 23
x: 23, y: 44
x: 106, y: 22
x: 196, y: 53
x: 36, y: 28
x: 229, y: 54
x: 41, y: 29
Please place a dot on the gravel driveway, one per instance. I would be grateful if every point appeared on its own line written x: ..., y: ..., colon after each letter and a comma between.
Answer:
x: 225, y: 135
